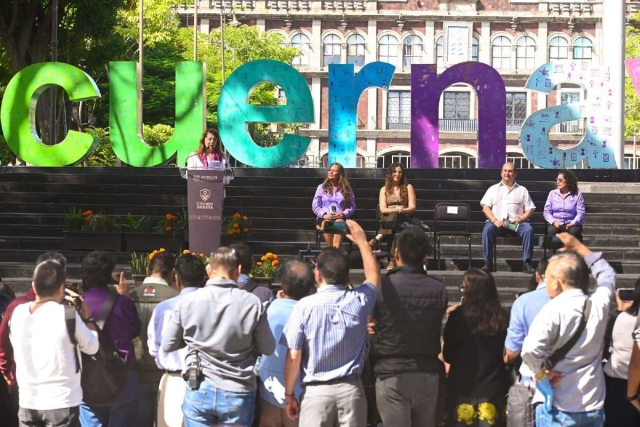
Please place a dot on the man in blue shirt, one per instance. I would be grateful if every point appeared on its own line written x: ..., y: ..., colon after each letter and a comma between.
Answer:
x: 189, y: 277
x: 327, y: 335
x: 297, y: 281
x: 523, y: 311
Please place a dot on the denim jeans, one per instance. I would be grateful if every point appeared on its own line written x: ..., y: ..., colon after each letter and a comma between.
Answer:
x: 209, y: 405
x: 556, y: 418
x: 121, y: 412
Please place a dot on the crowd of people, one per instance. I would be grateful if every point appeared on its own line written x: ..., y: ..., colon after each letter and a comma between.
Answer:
x: 205, y: 345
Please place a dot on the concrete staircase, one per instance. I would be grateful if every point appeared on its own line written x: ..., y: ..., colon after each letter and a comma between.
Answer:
x: 278, y: 201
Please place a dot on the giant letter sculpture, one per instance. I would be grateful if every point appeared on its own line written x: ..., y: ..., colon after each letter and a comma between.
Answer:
x: 19, y: 109
x: 125, y: 90
x: 344, y: 93
x: 235, y: 111
x: 426, y: 89
x: 594, y: 145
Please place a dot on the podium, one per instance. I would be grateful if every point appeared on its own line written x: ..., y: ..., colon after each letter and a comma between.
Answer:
x: 205, y: 191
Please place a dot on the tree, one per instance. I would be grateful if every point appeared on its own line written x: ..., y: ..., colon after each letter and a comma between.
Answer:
x: 631, y: 101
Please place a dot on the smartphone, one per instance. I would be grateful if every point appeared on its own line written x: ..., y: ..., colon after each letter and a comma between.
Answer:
x: 551, y: 242
x: 335, y: 227
x: 626, y: 294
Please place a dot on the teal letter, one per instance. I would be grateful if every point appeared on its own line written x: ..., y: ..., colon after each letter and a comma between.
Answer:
x: 19, y: 110
x: 124, y: 96
x: 234, y: 111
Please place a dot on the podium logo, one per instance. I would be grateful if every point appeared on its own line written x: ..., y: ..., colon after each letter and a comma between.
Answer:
x: 205, y: 194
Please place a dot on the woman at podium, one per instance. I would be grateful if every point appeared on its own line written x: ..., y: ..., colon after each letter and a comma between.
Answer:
x: 209, y: 155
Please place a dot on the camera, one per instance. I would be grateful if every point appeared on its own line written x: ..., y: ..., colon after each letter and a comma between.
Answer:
x: 626, y: 294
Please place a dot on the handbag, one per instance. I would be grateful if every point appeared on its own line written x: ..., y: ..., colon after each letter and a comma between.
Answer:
x: 520, y: 409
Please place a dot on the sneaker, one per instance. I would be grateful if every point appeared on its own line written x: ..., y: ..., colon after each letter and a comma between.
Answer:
x: 488, y: 267
x: 527, y: 268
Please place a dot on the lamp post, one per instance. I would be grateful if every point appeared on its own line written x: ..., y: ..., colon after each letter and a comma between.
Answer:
x: 54, y: 58
x: 195, y: 30
x: 222, y: 13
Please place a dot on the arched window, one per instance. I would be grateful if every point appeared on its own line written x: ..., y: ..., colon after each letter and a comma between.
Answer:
x: 501, y: 53
x: 582, y: 49
x: 558, y: 49
x: 332, y: 50
x: 402, y: 157
x: 525, y: 53
x: 456, y: 161
x: 412, y: 51
x: 388, y: 49
x: 439, y: 52
x: 355, y: 50
x: 474, y: 49
x: 302, y: 43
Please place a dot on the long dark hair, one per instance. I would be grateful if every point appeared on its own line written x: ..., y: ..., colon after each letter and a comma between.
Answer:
x: 388, y: 184
x: 218, y: 148
x: 481, y: 306
x: 635, y: 307
x: 571, y: 179
x: 343, y: 185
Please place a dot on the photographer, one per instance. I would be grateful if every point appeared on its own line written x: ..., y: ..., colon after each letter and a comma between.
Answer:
x: 50, y: 392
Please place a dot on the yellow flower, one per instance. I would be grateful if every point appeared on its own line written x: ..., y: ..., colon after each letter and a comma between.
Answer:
x: 466, y: 413
x: 161, y: 250
x: 487, y: 411
x: 237, y: 215
x: 186, y: 251
x: 201, y: 255
x: 259, y: 264
x: 269, y: 255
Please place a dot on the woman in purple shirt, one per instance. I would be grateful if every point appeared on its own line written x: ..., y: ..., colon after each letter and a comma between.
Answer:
x: 333, y: 201
x: 564, y: 209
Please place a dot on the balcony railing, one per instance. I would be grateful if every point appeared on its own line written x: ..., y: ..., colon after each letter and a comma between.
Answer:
x: 450, y: 125
x: 233, y: 4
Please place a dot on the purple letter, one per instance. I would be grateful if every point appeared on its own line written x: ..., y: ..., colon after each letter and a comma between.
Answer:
x: 426, y: 89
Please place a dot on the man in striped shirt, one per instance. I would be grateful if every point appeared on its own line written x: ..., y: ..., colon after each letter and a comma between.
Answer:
x: 327, y: 335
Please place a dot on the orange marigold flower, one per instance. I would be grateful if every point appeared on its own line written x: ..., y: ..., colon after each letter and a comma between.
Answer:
x: 169, y: 217
x: 230, y: 232
x: 269, y: 255
x: 161, y: 250
x: 236, y: 225
x: 244, y: 218
x: 264, y: 258
x: 168, y: 229
x: 103, y: 216
x: 259, y: 264
x: 86, y: 218
x: 201, y: 255
x: 245, y: 230
x: 186, y: 251
x: 275, y: 256
x: 275, y: 263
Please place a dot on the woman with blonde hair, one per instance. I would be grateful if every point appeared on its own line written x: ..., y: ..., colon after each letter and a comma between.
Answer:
x: 333, y: 202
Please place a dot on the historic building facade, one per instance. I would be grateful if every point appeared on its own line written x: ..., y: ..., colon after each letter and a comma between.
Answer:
x: 513, y: 36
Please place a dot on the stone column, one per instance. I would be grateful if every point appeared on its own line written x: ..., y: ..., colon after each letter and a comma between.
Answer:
x: 429, y: 42
x: 484, y: 44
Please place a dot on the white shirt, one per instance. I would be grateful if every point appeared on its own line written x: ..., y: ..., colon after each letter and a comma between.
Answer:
x: 622, y: 342
x: 582, y: 388
x: 170, y: 361
x: 194, y: 162
x: 45, y: 363
x: 504, y: 201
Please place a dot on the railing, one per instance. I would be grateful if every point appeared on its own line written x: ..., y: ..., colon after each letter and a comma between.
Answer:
x: 344, y: 5
x: 289, y: 4
x: 449, y: 125
x: 570, y: 127
x: 230, y: 5
x: 398, y: 123
x: 514, y: 125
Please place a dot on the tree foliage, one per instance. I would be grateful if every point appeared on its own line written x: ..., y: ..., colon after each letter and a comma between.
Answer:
x: 631, y: 101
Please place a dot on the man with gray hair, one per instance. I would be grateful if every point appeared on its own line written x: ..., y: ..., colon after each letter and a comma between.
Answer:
x: 573, y: 389
x: 297, y: 281
x: 224, y: 329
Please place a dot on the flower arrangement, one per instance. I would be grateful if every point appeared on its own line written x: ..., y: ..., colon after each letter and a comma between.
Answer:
x: 99, y: 222
x: 236, y: 224
x: 75, y: 219
x: 130, y: 223
x: 139, y: 263
x: 267, y: 266
x: 169, y: 223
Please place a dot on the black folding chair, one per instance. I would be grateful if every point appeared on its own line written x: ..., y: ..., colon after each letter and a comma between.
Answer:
x: 451, y: 220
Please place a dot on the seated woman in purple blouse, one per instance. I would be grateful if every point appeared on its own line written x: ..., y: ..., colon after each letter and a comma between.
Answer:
x: 334, y: 201
x: 564, y: 209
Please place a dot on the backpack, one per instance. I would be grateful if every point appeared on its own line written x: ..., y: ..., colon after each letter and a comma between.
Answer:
x: 104, y: 373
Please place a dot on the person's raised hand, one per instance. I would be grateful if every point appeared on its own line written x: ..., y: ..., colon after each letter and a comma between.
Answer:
x: 571, y: 244
x: 122, y: 287
x: 356, y: 233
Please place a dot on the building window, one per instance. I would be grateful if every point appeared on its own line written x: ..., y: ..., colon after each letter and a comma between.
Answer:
x: 412, y: 53
x: 583, y: 49
x: 631, y: 162
x: 501, y: 53
x: 440, y: 52
x: 388, y: 50
x: 355, y: 50
x: 516, y: 110
x: 396, y: 157
x: 519, y: 160
x: 525, y: 53
x: 457, y: 105
x: 558, y: 49
x: 302, y: 43
x: 456, y: 161
x: 474, y: 49
x: 332, y: 51
x: 399, y: 110
x: 575, y: 125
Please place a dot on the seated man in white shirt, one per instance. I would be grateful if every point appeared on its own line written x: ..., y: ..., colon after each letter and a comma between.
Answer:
x: 577, y: 380
x: 189, y: 277
x: 48, y: 378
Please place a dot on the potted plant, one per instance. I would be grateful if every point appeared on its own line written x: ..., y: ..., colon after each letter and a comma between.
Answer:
x: 264, y: 270
x: 235, y: 229
x: 98, y: 231
x: 139, y: 264
x: 165, y: 234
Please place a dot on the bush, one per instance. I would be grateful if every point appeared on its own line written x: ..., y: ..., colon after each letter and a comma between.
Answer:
x: 6, y: 155
x: 103, y: 155
x: 156, y: 135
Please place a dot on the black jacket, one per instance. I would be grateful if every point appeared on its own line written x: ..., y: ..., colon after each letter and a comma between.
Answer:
x: 408, y: 313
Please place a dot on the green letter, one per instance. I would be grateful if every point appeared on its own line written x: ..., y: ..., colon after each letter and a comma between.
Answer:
x: 19, y: 110
x: 124, y: 96
x: 234, y: 111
